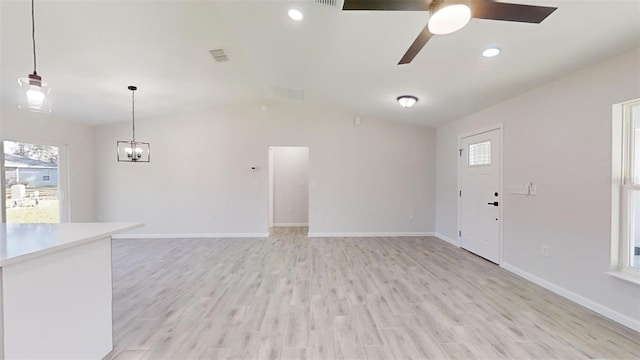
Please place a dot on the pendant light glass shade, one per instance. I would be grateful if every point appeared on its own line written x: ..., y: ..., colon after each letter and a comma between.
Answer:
x: 132, y: 150
x: 33, y: 93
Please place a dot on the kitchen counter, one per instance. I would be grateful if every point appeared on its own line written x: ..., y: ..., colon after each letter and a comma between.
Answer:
x: 56, y: 291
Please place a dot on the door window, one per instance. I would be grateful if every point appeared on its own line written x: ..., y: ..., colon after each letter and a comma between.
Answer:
x: 480, y: 153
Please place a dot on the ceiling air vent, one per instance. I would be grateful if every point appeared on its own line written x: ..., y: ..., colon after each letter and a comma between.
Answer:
x: 332, y: 3
x: 219, y: 55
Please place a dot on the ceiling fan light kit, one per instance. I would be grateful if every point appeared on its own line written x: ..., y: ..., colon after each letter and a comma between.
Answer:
x: 132, y: 150
x: 407, y: 101
x: 33, y: 93
x: 447, y: 16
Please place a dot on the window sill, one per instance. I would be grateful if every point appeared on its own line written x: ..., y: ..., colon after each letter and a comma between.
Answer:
x: 625, y: 276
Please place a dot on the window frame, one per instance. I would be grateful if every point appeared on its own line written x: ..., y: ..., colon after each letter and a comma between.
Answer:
x: 623, y: 143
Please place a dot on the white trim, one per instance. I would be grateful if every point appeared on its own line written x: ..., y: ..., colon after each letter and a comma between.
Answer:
x: 622, y: 228
x: 579, y: 299
x: 289, y: 224
x: 617, y: 144
x: 480, y: 131
x: 371, y: 234
x: 626, y: 276
x: 270, y: 170
x: 191, y: 236
x: 447, y: 239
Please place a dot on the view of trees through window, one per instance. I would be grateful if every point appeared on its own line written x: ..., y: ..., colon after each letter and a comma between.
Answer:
x: 31, y: 182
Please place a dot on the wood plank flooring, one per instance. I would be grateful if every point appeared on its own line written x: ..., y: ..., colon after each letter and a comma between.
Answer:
x: 291, y: 297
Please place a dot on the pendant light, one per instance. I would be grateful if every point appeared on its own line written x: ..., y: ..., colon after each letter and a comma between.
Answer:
x: 33, y: 93
x: 132, y: 150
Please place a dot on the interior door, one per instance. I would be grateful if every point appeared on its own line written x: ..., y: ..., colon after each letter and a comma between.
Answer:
x: 480, y: 194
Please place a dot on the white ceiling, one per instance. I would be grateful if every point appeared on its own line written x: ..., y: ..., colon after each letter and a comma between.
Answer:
x: 91, y: 50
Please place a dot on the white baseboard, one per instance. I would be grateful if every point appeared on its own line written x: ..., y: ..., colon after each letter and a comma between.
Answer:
x: 447, y: 239
x: 579, y: 299
x: 191, y: 236
x: 370, y: 234
x: 290, y: 224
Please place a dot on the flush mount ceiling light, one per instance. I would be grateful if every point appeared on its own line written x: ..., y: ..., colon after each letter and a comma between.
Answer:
x: 132, y: 150
x: 447, y: 18
x: 33, y: 93
x: 296, y: 14
x: 491, y: 52
x: 407, y: 101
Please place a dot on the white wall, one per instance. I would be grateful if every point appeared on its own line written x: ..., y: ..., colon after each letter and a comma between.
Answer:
x: 50, y: 129
x: 362, y: 179
x: 290, y: 185
x: 559, y: 137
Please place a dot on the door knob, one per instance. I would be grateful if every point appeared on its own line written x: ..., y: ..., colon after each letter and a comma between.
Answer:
x: 495, y: 203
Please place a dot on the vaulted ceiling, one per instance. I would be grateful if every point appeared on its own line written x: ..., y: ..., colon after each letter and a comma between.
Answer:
x: 91, y: 50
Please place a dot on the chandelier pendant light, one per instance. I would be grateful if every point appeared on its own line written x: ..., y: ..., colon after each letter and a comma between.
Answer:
x: 33, y: 93
x: 133, y: 150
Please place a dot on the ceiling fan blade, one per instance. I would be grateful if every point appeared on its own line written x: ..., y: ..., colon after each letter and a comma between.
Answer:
x: 510, y: 12
x: 398, y: 5
x: 417, y: 45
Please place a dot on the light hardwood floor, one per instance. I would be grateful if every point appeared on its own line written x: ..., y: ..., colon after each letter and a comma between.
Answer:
x: 290, y: 297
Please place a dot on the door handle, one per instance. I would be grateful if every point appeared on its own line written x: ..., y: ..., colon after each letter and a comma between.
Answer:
x: 495, y: 203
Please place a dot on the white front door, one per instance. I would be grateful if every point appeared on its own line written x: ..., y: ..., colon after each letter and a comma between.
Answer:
x: 480, y: 194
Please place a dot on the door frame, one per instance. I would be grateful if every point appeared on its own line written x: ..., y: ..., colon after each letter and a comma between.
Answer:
x: 479, y: 131
x: 64, y: 203
x: 270, y: 183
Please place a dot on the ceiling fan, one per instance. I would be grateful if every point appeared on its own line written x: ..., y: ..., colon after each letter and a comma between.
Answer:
x: 447, y: 16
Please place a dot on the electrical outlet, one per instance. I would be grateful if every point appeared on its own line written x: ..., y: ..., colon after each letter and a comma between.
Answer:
x: 533, y: 189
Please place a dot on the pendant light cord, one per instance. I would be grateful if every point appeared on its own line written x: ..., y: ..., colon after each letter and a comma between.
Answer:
x: 33, y: 35
x: 133, y: 113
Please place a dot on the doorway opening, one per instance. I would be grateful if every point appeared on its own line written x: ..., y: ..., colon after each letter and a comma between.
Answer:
x: 288, y: 189
x: 31, y: 181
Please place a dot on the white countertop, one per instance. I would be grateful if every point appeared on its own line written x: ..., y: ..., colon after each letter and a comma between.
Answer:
x: 19, y: 242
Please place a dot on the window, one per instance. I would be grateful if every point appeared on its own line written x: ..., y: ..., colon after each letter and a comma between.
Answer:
x: 625, y: 249
x: 31, y: 183
x: 480, y: 154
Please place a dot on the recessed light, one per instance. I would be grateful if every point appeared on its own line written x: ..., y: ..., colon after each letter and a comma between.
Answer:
x: 407, y: 101
x: 491, y: 52
x: 296, y: 14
